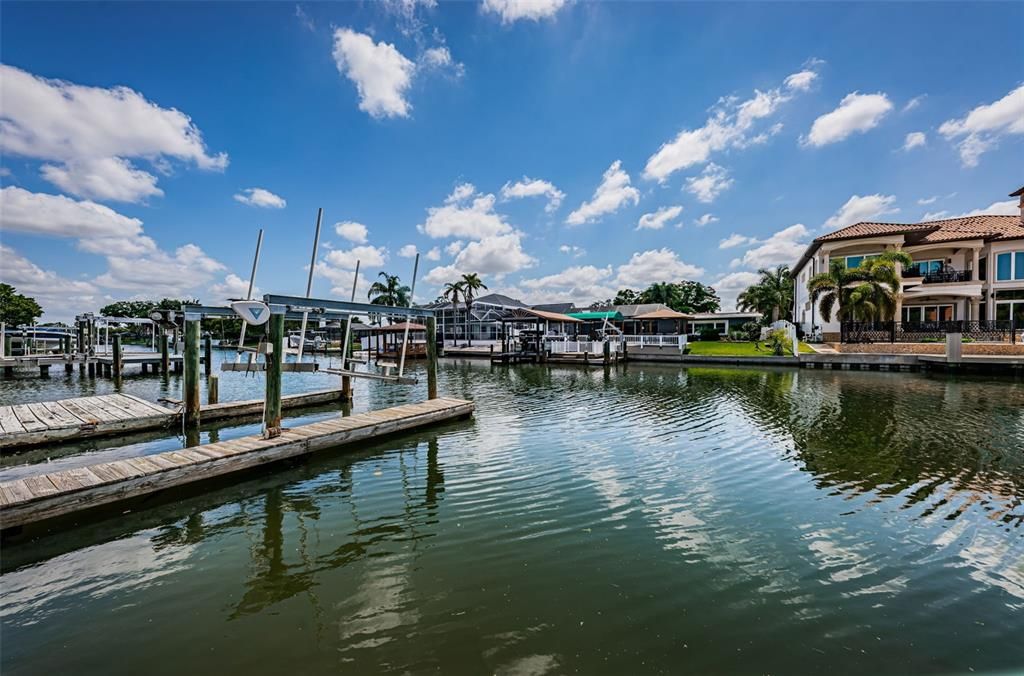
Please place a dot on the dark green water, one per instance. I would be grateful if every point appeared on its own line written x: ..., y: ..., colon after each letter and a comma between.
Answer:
x: 651, y: 520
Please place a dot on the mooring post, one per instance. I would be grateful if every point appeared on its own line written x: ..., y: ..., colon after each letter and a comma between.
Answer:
x: 346, y: 389
x: 165, y: 355
x: 272, y: 403
x: 213, y: 389
x: 607, y: 352
x: 117, y: 355
x: 191, y: 372
x: 431, y: 358
x: 80, y: 348
x: 208, y: 354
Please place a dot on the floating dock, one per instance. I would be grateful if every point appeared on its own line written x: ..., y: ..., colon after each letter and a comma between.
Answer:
x: 46, y: 496
x: 67, y: 420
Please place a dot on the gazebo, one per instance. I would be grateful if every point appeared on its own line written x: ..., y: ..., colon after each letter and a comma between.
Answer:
x: 541, y: 319
x: 388, y: 343
x: 654, y: 318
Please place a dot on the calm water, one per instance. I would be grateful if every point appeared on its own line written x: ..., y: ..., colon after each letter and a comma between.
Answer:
x: 650, y: 520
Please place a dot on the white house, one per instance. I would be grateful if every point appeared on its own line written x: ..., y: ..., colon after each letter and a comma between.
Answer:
x: 966, y: 268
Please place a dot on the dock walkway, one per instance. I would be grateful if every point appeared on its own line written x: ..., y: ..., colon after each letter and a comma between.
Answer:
x: 66, y: 420
x: 45, y: 496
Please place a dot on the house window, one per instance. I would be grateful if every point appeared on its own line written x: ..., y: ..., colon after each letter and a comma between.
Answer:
x: 855, y: 261
x: 982, y: 269
x: 928, y: 313
x: 701, y: 326
x: 1010, y: 266
x: 923, y: 268
x: 1010, y: 305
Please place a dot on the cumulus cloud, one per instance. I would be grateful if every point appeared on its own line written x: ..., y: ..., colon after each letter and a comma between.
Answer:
x: 90, y: 135
x: 366, y: 256
x: 732, y: 285
x: 735, y: 240
x: 857, y: 113
x: 465, y: 213
x: 577, y: 284
x: 494, y: 256
x: 785, y: 246
x: 534, y: 187
x: 706, y: 219
x: 408, y: 251
x: 440, y: 58
x: 981, y: 129
x: 859, y: 209
x: 453, y: 248
x: 656, y: 265
x: 260, y: 197
x: 60, y: 298
x: 659, y: 218
x: 575, y: 251
x: 711, y: 183
x: 160, y: 273
x: 61, y: 216
x: 352, y: 231
x: 232, y: 287
x: 434, y: 254
x: 913, y: 103
x: 381, y: 74
x: 914, y: 139
x: 1003, y: 208
x: 731, y: 125
x: 511, y: 11
x: 613, y: 192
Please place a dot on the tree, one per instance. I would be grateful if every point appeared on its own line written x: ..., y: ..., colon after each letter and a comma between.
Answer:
x: 830, y: 288
x: 626, y: 297
x: 662, y: 292
x: 869, y: 292
x: 128, y: 308
x: 471, y: 283
x: 453, y: 292
x: 772, y: 295
x: 17, y: 309
x: 391, y: 292
x: 696, y: 297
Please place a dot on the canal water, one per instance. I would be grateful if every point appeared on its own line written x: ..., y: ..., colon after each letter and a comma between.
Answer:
x: 650, y: 519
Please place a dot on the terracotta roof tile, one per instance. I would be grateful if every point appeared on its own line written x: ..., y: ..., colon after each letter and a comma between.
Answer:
x: 948, y: 230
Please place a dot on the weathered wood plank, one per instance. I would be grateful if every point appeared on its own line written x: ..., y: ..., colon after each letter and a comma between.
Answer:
x: 41, y: 485
x: 45, y: 416
x: 67, y: 418
x: 156, y: 408
x: 28, y: 419
x: 10, y: 422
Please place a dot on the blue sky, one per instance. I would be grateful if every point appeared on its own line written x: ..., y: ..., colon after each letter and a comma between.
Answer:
x: 562, y: 150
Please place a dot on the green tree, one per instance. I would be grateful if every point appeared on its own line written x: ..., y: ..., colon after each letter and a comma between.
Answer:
x: 17, y: 309
x: 453, y: 292
x: 696, y: 297
x: 626, y: 297
x: 869, y: 292
x: 391, y: 292
x: 772, y: 295
x: 128, y: 308
x: 662, y: 292
x: 471, y: 283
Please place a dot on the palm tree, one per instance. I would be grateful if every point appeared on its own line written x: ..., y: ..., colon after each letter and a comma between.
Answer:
x: 772, y: 295
x: 662, y: 292
x: 471, y: 283
x: 453, y: 292
x: 831, y: 289
x: 391, y: 292
x: 868, y: 292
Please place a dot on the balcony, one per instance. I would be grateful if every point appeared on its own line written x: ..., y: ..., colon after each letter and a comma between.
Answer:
x: 945, y: 275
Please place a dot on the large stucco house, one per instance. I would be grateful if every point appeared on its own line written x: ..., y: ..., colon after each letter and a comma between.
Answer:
x: 966, y: 268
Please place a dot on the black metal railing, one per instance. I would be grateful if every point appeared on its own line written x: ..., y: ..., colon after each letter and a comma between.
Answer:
x: 947, y: 275
x: 997, y: 330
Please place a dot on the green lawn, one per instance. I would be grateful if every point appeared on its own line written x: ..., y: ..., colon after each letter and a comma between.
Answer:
x: 713, y: 348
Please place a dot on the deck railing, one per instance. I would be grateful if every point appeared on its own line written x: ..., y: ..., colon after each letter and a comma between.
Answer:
x: 678, y: 341
x: 999, y: 331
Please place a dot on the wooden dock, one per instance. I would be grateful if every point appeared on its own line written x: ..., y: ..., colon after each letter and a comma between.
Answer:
x: 48, y: 422
x: 45, y: 496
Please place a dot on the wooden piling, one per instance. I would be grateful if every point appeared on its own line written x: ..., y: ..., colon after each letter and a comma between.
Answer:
x: 208, y: 354
x: 346, y: 388
x: 192, y: 372
x: 607, y: 352
x: 44, y: 370
x: 92, y: 369
x: 431, y: 358
x: 165, y: 355
x: 117, y: 356
x: 272, y: 419
x: 212, y: 389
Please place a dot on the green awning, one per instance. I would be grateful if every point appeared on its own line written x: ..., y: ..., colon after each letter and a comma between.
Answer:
x: 611, y: 316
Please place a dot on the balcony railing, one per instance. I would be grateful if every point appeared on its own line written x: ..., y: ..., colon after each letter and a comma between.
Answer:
x: 947, y: 275
x: 915, y: 332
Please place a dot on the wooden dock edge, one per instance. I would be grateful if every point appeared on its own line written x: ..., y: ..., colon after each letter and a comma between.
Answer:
x: 34, y: 499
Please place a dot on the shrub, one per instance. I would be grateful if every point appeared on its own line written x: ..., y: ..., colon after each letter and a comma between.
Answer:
x: 710, y: 334
x: 751, y: 330
x: 779, y: 343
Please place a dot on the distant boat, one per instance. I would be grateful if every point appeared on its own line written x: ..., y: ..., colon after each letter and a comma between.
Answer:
x: 316, y: 340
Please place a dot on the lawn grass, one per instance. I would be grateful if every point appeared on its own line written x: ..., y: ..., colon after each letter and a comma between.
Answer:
x: 713, y: 348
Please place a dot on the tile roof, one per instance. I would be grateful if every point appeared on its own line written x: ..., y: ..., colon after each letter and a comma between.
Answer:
x: 947, y: 230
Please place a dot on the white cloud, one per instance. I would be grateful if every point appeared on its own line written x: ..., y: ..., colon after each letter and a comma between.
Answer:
x: 517, y: 10
x: 656, y: 265
x: 706, y: 219
x: 711, y: 183
x: 1004, y: 208
x: 615, y: 191
x: 60, y: 298
x: 577, y: 252
x: 105, y: 178
x: 730, y: 126
x: 928, y: 200
x: 91, y: 133
x: 659, y: 219
x: 859, y: 209
x: 341, y: 281
x: 801, y: 81
x: 914, y: 139
x: 381, y: 73
x: 857, y: 113
x: 731, y: 285
x: 434, y: 254
x: 578, y: 284
x: 442, y: 274
x: 494, y: 255
x: 785, y: 246
x: 233, y: 287
x: 60, y: 216
x: 407, y: 251
x: 440, y: 58
x: 534, y: 187
x: 980, y: 130
x: 259, y: 197
x: 913, y: 103
x: 159, y: 273
x: 735, y: 240
x: 352, y: 231
x: 453, y: 248
x: 366, y: 256
x: 466, y: 213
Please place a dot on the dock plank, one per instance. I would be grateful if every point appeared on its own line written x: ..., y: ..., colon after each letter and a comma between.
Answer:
x: 28, y: 419
x: 9, y: 421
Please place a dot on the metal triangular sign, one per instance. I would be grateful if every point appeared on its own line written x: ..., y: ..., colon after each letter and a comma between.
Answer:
x: 253, y: 312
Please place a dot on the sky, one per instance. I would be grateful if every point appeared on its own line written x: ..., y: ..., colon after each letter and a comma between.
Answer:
x: 562, y: 150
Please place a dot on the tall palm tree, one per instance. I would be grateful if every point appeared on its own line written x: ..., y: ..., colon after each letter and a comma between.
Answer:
x: 471, y: 283
x: 391, y: 292
x: 831, y: 288
x: 453, y: 293
x: 868, y: 292
x: 662, y: 292
x: 772, y: 295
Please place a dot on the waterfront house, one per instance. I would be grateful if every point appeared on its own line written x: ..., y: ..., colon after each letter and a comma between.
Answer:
x: 484, y: 319
x: 965, y: 268
x: 724, y: 322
